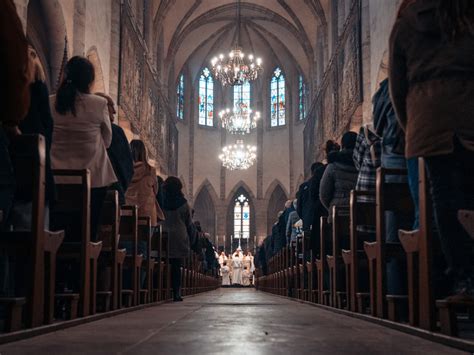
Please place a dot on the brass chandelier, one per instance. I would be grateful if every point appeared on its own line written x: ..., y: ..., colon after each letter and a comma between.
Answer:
x: 238, y: 156
x: 237, y: 68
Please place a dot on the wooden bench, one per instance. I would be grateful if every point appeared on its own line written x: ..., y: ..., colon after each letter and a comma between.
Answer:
x: 148, y: 265
x: 362, y: 213
x: 321, y: 262
x: 393, y: 197
x: 133, y: 261
x: 418, y: 246
x: 156, y: 253
x: 165, y: 267
x: 111, y: 257
x: 72, y: 213
x: 340, y: 238
x: 34, y: 249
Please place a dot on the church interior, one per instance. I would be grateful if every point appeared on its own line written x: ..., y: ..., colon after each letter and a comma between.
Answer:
x: 229, y: 176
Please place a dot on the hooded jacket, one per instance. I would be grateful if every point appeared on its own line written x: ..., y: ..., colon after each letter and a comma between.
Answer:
x: 339, y: 179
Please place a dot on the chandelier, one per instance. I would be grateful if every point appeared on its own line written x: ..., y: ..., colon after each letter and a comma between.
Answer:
x: 239, y: 121
x: 238, y: 156
x: 237, y: 69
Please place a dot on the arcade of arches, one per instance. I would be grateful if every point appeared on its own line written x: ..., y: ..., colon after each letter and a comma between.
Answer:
x: 324, y: 59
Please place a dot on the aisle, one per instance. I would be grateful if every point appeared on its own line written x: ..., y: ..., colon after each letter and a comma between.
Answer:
x: 228, y: 321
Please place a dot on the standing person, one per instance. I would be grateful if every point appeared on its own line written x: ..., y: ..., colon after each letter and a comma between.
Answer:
x: 340, y: 176
x: 291, y: 230
x: 14, y: 94
x: 37, y: 121
x: 119, y: 153
x: 82, y: 132
x: 225, y: 272
x: 431, y: 70
x: 180, y: 228
x: 142, y: 191
x: 236, y: 268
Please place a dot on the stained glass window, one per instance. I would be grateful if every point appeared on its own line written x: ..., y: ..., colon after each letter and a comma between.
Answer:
x: 180, y: 98
x: 206, y: 99
x: 242, y: 97
x: 302, y: 95
x: 278, y: 100
x: 241, y: 218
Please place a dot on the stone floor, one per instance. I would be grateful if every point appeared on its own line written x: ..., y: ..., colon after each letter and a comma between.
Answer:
x: 228, y: 321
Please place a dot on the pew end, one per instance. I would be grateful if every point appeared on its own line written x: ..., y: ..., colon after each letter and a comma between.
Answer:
x: 14, y: 311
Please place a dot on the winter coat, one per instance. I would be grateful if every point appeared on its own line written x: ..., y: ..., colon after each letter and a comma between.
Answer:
x: 142, y: 191
x: 431, y: 82
x: 338, y: 180
x: 80, y: 141
x: 291, y: 230
x: 318, y: 208
x: 179, y: 225
x: 279, y: 239
x: 120, y: 156
x: 39, y: 121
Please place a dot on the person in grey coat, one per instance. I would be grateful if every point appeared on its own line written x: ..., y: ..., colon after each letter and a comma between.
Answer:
x: 291, y: 230
x: 340, y: 176
x: 180, y: 229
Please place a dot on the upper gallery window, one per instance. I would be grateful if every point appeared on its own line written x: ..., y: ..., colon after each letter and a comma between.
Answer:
x: 242, y: 97
x: 302, y: 97
x: 278, y: 99
x: 206, y: 99
x: 180, y: 98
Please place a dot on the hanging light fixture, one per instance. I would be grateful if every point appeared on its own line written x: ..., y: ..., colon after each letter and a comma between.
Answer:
x: 238, y: 156
x: 238, y: 68
x: 239, y: 121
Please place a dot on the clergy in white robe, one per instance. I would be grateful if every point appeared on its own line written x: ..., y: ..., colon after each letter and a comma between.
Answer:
x: 236, y: 269
x: 246, y: 276
x: 225, y: 272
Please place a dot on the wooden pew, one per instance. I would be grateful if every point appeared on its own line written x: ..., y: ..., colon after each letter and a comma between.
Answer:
x: 389, y: 197
x: 144, y: 236
x: 34, y: 249
x: 362, y: 213
x: 133, y: 261
x: 165, y: 267
x: 156, y: 253
x: 72, y: 213
x: 321, y: 262
x: 340, y: 237
x: 111, y: 256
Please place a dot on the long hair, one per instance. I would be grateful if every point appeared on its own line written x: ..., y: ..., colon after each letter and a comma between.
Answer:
x: 173, y: 185
x: 138, y: 151
x: 456, y: 18
x: 36, y: 72
x: 78, y: 76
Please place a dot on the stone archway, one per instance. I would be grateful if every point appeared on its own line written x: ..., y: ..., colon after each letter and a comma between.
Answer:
x: 46, y: 32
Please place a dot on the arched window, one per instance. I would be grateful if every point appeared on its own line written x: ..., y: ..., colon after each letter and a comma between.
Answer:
x: 206, y: 99
x: 242, y: 97
x: 180, y: 98
x: 242, y: 218
x: 278, y: 99
x: 302, y: 96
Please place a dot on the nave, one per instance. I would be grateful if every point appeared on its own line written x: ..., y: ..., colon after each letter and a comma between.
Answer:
x: 228, y: 321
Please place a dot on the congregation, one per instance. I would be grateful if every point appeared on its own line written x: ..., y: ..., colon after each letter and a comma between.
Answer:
x: 237, y: 269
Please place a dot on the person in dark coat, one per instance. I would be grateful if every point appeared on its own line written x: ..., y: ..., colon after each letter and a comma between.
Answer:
x: 180, y: 227
x: 119, y: 153
x: 305, y: 203
x: 38, y: 121
x: 14, y: 95
x: 431, y: 71
x: 340, y: 177
x: 278, y: 234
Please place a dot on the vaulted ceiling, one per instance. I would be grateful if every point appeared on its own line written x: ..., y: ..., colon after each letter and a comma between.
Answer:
x: 279, y: 31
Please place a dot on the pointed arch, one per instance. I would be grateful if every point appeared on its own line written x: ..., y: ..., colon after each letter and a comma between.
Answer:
x: 276, y: 197
x: 205, y: 208
x: 240, y: 189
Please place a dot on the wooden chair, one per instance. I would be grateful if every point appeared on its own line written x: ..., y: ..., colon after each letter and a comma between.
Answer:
x: 418, y: 246
x: 362, y: 213
x: 133, y: 261
x: 72, y: 213
x: 111, y: 257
